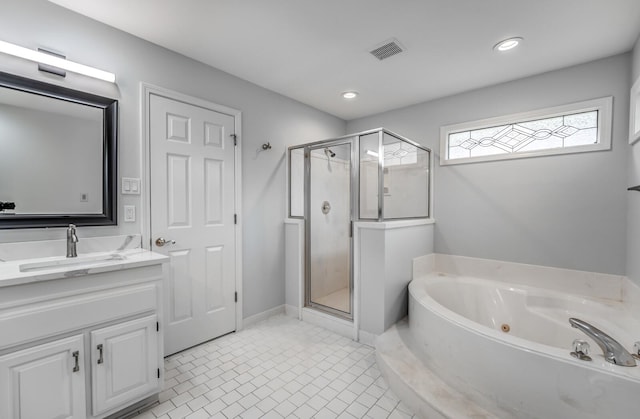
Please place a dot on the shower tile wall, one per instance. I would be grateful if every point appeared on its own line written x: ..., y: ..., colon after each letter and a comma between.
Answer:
x: 405, y: 191
x: 330, y: 236
x: 405, y: 178
x: 368, y: 199
x: 369, y: 188
x: 406, y: 188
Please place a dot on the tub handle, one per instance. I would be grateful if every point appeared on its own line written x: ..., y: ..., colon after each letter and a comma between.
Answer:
x: 581, y: 350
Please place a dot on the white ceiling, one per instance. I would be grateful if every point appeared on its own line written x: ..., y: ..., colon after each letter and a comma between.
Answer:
x: 312, y: 50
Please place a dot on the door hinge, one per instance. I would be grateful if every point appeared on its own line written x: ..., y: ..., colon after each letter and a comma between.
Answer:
x: 235, y: 139
x: 158, y: 372
x: 157, y: 326
x: 235, y: 218
x: 351, y: 229
x: 236, y: 296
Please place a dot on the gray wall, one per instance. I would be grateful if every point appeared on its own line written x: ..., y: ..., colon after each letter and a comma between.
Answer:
x: 635, y: 70
x: 633, y: 203
x: 266, y: 117
x: 564, y: 211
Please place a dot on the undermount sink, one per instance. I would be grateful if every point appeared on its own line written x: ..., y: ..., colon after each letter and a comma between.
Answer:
x: 63, y: 262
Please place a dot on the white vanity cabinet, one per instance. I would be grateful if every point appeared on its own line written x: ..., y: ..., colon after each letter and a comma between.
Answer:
x: 124, y: 363
x: 84, y: 345
x: 44, y: 382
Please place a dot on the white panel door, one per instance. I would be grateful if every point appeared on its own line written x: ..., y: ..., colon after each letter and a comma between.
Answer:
x: 44, y: 382
x: 124, y: 363
x: 192, y: 209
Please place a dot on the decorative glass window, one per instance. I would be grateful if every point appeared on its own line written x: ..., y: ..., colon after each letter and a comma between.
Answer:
x: 574, y: 128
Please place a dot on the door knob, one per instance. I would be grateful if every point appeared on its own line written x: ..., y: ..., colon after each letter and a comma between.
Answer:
x: 160, y: 241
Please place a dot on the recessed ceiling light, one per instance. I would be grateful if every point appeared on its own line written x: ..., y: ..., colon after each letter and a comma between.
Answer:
x: 349, y: 95
x: 507, y: 44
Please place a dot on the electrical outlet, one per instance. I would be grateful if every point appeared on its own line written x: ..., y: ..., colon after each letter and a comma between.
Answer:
x: 129, y: 213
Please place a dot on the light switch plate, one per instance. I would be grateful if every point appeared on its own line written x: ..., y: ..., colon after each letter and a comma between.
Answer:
x: 130, y: 186
x: 129, y: 213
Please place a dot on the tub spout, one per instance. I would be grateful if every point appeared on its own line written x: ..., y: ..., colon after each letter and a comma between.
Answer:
x: 613, y: 351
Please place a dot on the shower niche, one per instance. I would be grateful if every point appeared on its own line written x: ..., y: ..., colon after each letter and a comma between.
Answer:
x: 345, y: 196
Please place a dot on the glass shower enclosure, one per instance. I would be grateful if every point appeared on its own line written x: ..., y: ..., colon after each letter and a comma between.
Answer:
x: 374, y: 176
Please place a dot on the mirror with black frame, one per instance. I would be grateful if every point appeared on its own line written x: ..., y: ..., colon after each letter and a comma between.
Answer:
x: 58, y: 155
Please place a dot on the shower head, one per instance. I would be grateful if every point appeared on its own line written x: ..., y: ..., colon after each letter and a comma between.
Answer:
x: 328, y: 152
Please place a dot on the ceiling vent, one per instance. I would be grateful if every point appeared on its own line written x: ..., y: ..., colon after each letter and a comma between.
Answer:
x: 387, y: 49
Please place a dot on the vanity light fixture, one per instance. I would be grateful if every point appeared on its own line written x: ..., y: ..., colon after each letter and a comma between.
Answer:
x: 507, y: 44
x: 350, y: 94
x: 51, y: 60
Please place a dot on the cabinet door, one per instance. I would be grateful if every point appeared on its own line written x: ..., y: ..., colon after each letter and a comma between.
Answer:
x: 124, y: 364
x: 44, y: 382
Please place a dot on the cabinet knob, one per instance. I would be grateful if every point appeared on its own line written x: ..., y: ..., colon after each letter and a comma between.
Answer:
x: 100, y: 359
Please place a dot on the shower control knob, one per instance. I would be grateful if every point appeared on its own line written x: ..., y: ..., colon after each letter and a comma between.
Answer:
x: 160, y: 241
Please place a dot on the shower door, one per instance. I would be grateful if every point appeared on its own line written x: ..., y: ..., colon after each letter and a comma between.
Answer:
x: 328, y: 211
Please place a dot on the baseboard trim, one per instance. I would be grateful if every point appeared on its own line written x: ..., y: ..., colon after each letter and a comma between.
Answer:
x: 248, y: 321
x: 292, y: 311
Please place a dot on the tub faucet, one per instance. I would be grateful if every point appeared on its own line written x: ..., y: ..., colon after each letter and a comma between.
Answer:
x: 613, y: 351
x: 72, y: 239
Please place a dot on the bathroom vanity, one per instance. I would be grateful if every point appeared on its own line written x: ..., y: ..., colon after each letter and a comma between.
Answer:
x: 80, y: 337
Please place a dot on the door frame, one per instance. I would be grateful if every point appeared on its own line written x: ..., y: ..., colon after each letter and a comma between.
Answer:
x: 146, y: 90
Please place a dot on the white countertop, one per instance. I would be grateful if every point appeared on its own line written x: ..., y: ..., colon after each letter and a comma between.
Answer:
x: 26, y: 271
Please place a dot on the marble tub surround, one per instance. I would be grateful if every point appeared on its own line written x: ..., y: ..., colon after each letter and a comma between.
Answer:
x: 421, y: 389
x: 588, y: 284
x: 23, y: 271
x: 49, y: 248
x: 631, y: 295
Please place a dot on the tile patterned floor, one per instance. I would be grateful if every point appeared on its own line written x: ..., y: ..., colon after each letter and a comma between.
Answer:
x: 278, y: 368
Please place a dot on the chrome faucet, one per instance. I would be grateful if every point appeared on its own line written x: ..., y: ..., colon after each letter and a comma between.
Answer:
x: 72, y: 239
x: 613, y: 351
